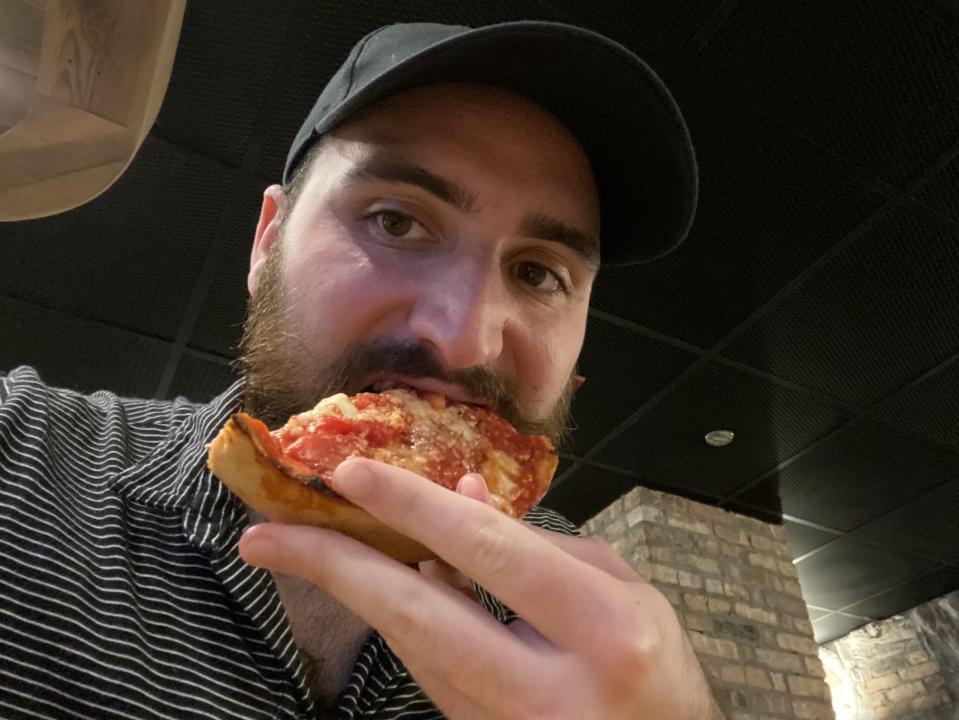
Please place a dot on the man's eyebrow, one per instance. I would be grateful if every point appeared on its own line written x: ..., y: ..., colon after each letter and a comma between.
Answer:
x: 545, y: 227
x: 387, y: 168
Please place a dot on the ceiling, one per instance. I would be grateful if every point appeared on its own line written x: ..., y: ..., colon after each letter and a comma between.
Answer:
x: 814, y: 309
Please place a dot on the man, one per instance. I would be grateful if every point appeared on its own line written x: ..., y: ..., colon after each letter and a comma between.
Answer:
x: 439, y: 226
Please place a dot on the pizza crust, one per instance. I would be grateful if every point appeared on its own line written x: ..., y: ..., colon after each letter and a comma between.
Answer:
x: 283, y: 495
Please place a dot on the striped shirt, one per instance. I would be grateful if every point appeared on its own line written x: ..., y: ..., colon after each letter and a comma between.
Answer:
x: 122, y: 594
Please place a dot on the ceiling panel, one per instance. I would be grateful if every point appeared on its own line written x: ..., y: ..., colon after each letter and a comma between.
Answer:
x: 942, y: 190
x: 804, y: 539
x: 341, y: 26
x: 769, y: 206
x: 846, y: 571
x: 219, y: 325
x: 881, y: 313
x: 121, y: 259
x: 926, y: 525
x: 908, y: 595
x: 586, y: 492
x: 929, y: 407
x: 835, y: 625
x: 880, y: 87
x: 69, y: 351
x: 856, y: 475
x: 200, y: 379
x: 652, y: 28
x: 623, y: 370
x: 770, y: 423
x: 222, y: 74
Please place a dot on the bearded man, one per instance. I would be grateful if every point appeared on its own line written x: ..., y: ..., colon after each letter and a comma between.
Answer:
x: 440, y: 223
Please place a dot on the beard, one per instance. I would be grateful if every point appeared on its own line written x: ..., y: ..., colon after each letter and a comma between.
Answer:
x: 283, y: 377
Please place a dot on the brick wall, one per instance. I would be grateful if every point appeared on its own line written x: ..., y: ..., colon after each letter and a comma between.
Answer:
x: 904, y: 667
x: 734, y: 587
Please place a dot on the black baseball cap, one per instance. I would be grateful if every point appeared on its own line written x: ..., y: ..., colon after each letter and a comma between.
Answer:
x: 618, y: 109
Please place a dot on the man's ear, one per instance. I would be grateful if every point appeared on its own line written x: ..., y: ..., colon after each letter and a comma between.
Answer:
x: 272, y: 213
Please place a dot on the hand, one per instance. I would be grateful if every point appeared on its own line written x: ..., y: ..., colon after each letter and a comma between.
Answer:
x: 594, y: 640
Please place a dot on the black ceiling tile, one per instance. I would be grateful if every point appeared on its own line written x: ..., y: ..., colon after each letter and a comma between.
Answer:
x: 816, y: 613
x: 929, y: 407
x: 657, y: 30
x: 926, y: 525
x: 623, y: 370
x: 846, y: 572
x: 909, y: 595
x: 79, y: 354
x: 942, y: 190
x: 221, y: 76
x: 220, y: 323
x: 804, y: 539
x: 130, y: 257
x: 769, y: 206
x: 835, y: 626
x: 667, y: 446
x: 200, y: 379
x: 878, y: 315
x: 856, y: 475
x: 587, y: 491
x: 879, y: 86
x: 328, y: 34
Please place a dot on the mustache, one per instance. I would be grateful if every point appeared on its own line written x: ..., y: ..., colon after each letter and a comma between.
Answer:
x: 411, y: 359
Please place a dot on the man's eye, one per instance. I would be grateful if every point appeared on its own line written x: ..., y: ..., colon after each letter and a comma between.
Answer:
x: 395, y: 223
x: 539, y: 277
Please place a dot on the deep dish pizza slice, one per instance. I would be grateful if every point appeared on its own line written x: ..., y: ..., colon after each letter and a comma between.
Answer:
x: 285, y: 474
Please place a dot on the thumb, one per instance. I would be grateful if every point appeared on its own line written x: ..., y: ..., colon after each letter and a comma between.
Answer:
x: 473, y: 485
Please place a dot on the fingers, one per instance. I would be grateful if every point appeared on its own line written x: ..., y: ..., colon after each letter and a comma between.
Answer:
x: 547, y: 586
x: 423, y: 619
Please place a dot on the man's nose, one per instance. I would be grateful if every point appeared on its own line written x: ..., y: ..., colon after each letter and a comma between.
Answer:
x: 463, y: 317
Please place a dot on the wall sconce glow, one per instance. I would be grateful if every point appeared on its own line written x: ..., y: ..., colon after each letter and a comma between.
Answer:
x: 720, y: 438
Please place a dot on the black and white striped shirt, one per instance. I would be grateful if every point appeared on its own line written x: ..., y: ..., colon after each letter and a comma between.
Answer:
x: 121, y: 591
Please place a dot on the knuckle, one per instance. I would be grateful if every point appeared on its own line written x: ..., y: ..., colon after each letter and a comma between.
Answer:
x: 408, y: 624
x: 491, y: 550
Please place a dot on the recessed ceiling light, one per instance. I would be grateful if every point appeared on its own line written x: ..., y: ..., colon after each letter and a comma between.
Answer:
x: 720, y: 438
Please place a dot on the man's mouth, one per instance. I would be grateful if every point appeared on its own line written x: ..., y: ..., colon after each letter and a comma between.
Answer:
x: 454, y: 393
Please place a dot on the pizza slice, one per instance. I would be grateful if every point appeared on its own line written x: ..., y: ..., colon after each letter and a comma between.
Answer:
x: 285, y: 474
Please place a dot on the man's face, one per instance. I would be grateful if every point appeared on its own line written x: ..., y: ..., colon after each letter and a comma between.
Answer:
x: 446, y: 238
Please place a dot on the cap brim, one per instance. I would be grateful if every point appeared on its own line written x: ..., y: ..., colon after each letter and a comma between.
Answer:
x: 616, y: 106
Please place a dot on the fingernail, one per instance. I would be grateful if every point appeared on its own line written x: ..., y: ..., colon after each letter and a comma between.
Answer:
x: 353, y: 478
x: 256, y: 546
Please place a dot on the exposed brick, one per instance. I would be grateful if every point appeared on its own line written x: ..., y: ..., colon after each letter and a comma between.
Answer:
x: 702, y: 623
x: 714, y: 586
x: 644, y: 514
x: 917, y: 672
x: 777, y: 660
x: 690, y: 580
x: 757, y: 614
x: 689, y: 525
x: 735, y: 590
x: 663, y: 555
x: 907, y: 691
x: 703, y: 564
x: 808, y: 687
x: 695, y: 602
x: 663, y: 573
x: 779, y: 681
x: 797, y: 643
x: 814, y: 667
x: 812, y: 710
x: 720, y: 606
x: 762, y: 543
x: 757, y: 677
x: 764, y: 561
x: 788, y: 569
x: 882, y: 682
x: 732, y: 534
x: 733, y: 674
x: 786, y: 603
x: 713, y: 646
